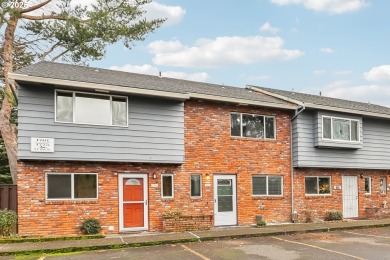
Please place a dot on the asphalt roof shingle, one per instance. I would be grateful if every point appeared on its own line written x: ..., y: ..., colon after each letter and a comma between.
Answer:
x: 77, y: 73
x: 328, y: 101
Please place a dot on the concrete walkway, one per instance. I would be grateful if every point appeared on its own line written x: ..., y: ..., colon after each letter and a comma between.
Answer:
x: 148, y: 238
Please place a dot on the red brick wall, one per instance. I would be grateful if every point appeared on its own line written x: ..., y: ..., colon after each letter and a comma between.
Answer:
x: 187, y: 223
x: 319, y: 204
x: 59, y: 218
x: 209, y: 150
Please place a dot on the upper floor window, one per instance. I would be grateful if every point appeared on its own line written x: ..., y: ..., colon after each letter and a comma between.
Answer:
x: 253, y: 126
x: 87, y: 108
x: 341, y: 129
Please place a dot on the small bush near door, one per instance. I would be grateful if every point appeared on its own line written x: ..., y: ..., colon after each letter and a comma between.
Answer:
x: 332, y: 215
x: 8, y: 219
x: 91, y: 226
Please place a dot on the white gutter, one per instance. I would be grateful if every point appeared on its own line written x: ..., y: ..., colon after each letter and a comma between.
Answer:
x: 241, y: 101
x: 102, y: 87
x: 293, y: 212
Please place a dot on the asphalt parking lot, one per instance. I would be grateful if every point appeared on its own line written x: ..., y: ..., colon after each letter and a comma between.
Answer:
x: 371, y: 243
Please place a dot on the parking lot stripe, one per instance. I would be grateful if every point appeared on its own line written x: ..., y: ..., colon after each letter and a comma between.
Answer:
x: 195, y: 253
x: 320, y: 248
x: 366, y: 235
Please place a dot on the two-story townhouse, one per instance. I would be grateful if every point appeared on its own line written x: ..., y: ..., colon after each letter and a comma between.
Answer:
x: 341, y: 156
x: 127, y: 148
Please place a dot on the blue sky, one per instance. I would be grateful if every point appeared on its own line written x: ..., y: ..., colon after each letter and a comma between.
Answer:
x: 338, y: 47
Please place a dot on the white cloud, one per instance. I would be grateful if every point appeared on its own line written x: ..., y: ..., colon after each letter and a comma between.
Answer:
x: 378, y: 74
x: 319, y: 72
x: 266, y: 27
x: 151, y: 70
x: 221, y: 51
x: 328, y: 6
x: 326, y: 50
x: 375, y: 94
x: 174, y: 14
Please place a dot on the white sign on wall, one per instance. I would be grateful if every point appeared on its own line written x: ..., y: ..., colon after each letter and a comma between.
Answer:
x: 42, y: 145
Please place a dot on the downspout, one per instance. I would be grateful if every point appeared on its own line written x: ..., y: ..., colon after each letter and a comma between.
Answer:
x: 294, y: 216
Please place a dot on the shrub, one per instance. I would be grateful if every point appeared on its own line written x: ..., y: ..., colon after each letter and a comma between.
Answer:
x: 261, y: 223
x: 172, y: 213
x: 91, y: 226
x: 8, y: 219
x: 333, y: 215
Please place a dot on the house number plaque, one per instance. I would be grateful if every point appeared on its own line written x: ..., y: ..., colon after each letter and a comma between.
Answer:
x: 42, y: 145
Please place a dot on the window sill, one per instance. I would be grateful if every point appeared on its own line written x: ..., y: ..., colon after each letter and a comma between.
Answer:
x: 91, y: 125
x: 251, y: 139
x: 265, y: 197
x: 313, y: 196
x: 71, y: 202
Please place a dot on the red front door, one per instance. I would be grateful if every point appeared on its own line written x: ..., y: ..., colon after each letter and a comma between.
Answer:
x: 133, y: 202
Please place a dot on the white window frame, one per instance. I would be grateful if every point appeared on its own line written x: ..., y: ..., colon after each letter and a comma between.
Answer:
x: 265, y: 131
x: 369, y: 181
x: 385, y: 185
x: 350, y: 129
x: 266, y: 185
x: 72, y: 185
x: 200, y: 175
x: 318, y: 186
x: 91, y: 93
x: 162, y: 186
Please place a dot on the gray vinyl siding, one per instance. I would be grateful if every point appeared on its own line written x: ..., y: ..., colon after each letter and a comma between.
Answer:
x: 374, y: 153
x: 155, y: 132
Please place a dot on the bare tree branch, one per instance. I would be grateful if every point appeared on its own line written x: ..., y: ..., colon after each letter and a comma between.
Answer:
x: 59, y: 55
x: 35, y: 7
x: 44, y: 17
x: 49, y: 17
x: 44, y: 55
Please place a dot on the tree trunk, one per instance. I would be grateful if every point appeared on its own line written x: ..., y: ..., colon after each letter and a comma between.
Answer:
x: 8, y: 131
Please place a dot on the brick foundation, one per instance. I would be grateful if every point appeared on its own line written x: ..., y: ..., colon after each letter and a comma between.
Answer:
x: 187, y: 223
x: 370, y: 205
x: 209, y: 149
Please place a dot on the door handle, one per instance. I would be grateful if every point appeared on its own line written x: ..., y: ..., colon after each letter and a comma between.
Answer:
x: 146, y: 202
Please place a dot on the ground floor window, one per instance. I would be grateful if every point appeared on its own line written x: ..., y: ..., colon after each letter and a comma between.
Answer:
x: 167, y: 185
x: 267, y: 185
x: 367, y: 185
x: 71, y: 186
x: 382, y: 185
x: 196, y: 185
x: 317, y: 185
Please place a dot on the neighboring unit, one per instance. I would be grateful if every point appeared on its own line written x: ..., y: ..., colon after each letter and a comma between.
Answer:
x: 341, y: 156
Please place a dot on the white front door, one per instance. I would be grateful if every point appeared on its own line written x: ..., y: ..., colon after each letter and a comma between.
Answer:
x: 350, y: 197
x: 225, y: 200
x: 133, y: 202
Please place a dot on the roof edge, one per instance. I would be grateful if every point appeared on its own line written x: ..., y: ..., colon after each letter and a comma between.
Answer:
x: 275, y: 95
x: 104, y: 87
x: 155, y: 93
x: 345, y: 110
x: 322, y: 107
x: 242, y: 101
